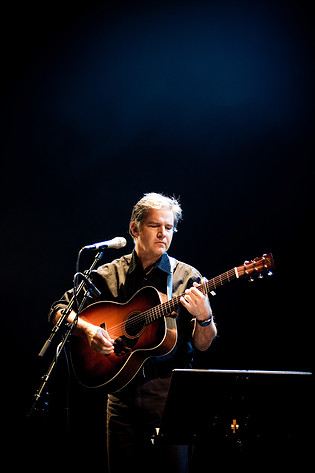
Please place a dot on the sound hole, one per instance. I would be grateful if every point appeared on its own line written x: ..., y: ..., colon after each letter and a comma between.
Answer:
x: 134, y: 325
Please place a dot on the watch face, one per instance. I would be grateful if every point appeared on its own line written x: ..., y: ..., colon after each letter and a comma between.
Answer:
x: 204, y: 323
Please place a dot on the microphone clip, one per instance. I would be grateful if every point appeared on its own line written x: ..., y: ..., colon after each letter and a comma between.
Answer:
x: 92, y: 287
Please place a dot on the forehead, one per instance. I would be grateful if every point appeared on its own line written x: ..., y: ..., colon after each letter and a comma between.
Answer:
x: 160, y: 216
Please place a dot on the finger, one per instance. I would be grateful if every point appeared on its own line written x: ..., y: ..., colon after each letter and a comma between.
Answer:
x: 107, y: 336
x: 101, y: 345
x: 106, y: 343
x: 184, y: 301
x: 104, y: 351
x: 196, y: 292
x: 193, y: 291
x: 101, y: 342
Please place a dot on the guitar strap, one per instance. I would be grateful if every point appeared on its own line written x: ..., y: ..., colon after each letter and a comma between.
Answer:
x: 170, y: 278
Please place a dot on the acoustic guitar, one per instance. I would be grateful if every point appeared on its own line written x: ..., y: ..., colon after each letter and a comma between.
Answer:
x: 142, y: 328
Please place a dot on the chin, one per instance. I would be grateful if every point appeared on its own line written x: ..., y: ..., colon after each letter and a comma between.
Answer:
x: 161, y: 251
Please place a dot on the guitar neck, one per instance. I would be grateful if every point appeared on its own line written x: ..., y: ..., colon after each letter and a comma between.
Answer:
x: 255, y: 266
x: 171, y: 305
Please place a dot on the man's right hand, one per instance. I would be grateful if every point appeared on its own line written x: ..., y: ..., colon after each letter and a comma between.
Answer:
x: 98, y: 338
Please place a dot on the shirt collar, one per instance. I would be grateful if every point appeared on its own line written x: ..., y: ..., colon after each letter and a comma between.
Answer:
x: 162, y: 263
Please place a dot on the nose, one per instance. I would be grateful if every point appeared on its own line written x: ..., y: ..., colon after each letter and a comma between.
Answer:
x: 161, y: 232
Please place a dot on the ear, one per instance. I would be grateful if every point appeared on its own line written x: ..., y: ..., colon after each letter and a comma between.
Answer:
x: 134, y: 229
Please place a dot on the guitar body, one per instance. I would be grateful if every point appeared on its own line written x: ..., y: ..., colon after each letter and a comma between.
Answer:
x: 135, y: 341
x: 142, y: 327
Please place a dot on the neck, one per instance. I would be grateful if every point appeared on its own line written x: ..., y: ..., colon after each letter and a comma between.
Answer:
x: 147, y: 261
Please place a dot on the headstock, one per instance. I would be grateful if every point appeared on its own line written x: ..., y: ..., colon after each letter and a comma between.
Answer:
x: 257, y: 266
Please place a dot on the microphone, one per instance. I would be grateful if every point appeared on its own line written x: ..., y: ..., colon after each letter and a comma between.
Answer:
x: 117, y: 242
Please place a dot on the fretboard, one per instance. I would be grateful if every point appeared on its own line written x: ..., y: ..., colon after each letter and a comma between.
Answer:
x: 171, y: 305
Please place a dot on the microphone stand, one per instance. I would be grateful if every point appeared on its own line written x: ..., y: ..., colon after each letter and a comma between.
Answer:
x: 68, y: 328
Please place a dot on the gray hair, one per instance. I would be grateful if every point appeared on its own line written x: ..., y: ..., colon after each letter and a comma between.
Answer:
x: 153, y: 200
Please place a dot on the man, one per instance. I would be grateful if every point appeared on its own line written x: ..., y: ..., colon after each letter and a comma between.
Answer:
x: 135, y: 411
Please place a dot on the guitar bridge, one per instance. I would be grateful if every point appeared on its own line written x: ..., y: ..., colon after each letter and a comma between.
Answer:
x: 121, y: 346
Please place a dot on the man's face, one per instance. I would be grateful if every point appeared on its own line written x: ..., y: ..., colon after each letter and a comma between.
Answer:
x: 155, y: 234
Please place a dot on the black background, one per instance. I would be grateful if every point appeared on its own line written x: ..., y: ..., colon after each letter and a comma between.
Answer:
x: 209, y: 101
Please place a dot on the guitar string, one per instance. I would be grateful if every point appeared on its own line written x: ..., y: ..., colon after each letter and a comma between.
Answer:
x: 163, y: 309
x: 153, y: 313
x: 156, y: 312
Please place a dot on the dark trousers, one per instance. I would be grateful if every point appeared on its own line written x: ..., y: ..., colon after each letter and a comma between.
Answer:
x: 131, y: 422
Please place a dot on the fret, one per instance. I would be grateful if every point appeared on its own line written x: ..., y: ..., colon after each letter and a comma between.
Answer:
x: 165, y: 309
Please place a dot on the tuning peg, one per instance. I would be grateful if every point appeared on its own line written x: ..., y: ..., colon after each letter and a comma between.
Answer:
x: 251, y: 279
x: 260, y: 276
x: 270, y: 273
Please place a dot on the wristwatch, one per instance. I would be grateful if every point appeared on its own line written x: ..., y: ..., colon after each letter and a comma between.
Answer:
x: 204, y: 323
